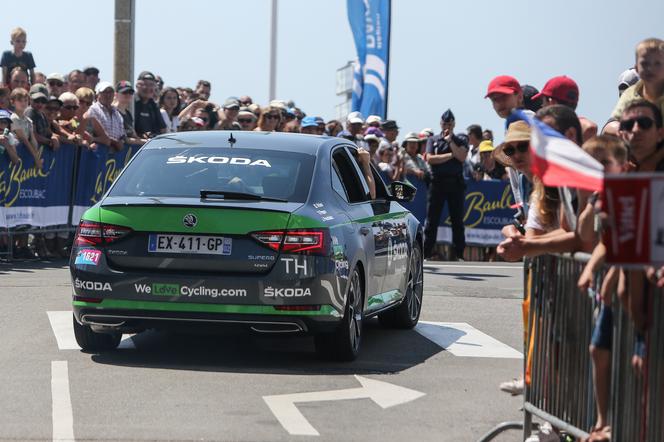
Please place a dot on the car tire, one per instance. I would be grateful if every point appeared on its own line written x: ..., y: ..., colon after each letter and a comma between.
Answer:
x: 407, y: 314
x: 91, y: 341
x: 344, y: 343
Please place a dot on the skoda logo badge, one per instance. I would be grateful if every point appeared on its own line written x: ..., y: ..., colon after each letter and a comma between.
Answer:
x: 189, y: 220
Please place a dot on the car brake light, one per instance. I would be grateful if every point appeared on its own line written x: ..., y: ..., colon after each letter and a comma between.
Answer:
x: 310, y: 241
x: 93, y: 233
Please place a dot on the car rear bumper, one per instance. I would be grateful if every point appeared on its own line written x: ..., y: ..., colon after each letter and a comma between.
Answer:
x: 133, y: 316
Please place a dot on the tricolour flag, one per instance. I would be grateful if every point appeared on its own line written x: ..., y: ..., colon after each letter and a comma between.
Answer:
x: 560, y: 162
x: 370, y: 23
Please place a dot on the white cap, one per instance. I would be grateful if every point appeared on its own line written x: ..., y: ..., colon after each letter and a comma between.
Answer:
x: 374, y: 119
x: 628, y: 78
x: 355, y: 117
x: 102, y: 86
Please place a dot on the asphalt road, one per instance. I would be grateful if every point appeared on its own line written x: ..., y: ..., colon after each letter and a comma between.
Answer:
x: 436, y: 383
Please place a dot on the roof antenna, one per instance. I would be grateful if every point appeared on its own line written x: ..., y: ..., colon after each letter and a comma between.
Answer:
x: 232, y: 140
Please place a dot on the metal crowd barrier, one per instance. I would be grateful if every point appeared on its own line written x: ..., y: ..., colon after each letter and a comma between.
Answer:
x: 557, y: 363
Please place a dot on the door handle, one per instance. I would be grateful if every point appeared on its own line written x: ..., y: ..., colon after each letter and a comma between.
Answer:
x: 365, y: 230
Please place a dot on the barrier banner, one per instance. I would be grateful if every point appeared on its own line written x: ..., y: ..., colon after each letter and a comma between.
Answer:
x: 635, y: 207
x: 96, y: 172
x: 486, y: 211
x: 42, y: 197
x: 36, y: 197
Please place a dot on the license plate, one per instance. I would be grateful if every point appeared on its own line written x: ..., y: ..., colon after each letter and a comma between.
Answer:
x: 194, y: 244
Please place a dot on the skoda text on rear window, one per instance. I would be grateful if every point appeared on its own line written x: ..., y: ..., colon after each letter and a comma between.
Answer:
x: 185, y: 172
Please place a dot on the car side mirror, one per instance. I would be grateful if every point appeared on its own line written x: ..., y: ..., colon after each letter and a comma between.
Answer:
x: 402, y: 192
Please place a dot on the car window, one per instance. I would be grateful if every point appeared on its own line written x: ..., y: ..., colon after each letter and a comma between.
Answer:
x: 185, y: 172
x: 352, y: 151
x: 337, y: 185
x: 381, y: 190
x: 349, y: 177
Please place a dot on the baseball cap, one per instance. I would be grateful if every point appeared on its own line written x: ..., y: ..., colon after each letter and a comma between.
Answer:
x: 561, y: 88
x: 123, y: 87
x: 147, y: 75
x: 389, y: 125
x: 372, y: 119
x: 90, y: 70
x: 411, y: 136
x: 5, y: 115
x: 319, y: 120
x: 486, y: 146
x: 503, y: 84
x: 245, y: 112
x: 37, y: 91
x: 53, y: 98
x: 231, y: 103
x: 371, y: 130
x: 447, y: 116
x: 355, y: 118
x: 627, y: 79
x: 56, y: 76
x: 529, y: 101
x: 102, y: 86
x: 371, y: 137
x: 309, y: 122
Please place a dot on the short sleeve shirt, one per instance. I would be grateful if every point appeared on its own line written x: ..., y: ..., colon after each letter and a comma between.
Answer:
x: 25, y: 124
x: 634, y: 92
x: 10, y: 61
x: 110, y: 119
x: 437, y: 145
x: 148, y: 117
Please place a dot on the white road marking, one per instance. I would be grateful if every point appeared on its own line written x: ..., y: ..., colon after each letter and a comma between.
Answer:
x: 63, y: 329
x: 461, y: 266
x: 382, y: 393
x: 63, y: 418
x: 462, y: 339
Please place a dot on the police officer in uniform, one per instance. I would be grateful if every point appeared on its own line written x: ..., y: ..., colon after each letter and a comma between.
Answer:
x: 446, y: 153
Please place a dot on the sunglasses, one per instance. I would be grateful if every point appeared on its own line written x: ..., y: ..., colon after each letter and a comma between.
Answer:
x: 70, y: 107
x: 245, y: 120
x: 645, y: 123
x: 40, y: 101
x: 55, y: 83
x: 271, y: 117
x: 511, y: 149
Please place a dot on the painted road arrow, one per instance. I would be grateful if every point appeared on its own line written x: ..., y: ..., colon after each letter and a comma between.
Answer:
x: 382, y: 393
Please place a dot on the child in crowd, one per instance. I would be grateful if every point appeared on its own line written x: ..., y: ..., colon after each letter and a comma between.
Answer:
x: 18, y: 56
x: 22, y: 125
x: 612, y: 153
x: 8, y: 141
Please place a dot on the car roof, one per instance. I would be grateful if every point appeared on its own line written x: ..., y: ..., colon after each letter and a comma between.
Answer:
x: 292, y: 142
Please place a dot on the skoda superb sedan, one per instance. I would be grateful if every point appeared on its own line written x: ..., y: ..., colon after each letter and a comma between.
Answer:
x: 276, y: 233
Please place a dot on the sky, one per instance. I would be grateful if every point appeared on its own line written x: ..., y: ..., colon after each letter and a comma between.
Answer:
x: 443, y: 53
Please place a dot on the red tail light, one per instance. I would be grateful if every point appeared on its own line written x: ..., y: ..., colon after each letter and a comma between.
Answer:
x: 310, y: 241
x: 93, y: 233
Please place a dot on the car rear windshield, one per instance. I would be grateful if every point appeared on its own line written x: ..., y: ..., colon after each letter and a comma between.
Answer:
x: 185, y: 172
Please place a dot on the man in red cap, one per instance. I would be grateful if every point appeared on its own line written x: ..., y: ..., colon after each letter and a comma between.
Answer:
x: 505, y: 94
x: 563, y: 90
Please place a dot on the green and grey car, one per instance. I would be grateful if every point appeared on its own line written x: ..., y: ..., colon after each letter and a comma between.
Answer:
x: 275, y: 233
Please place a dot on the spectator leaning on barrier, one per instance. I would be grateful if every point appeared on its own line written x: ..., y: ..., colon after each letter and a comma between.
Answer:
x: 641, y: 128
x: 169, y: 104
x: 489, y: 168
x: 124, y: 93
x: 228, y: 115
x: 333, y: 128
x: 55, y: 83
x: 147, y: 121
x: 43, y: 133
x: 17, y: 57
x: 91, y: 77
x: 67, y: 119
x: 51, y: 111
x: 372, y: 141
x: 109, y: 117
x: 390, y: 131
x: 354, y: 125
x: 8, y: 140
x: 414, y: 163
x: 87, y: 127
x: 445, y: 154
x: 246, y: 119
x: 21, y: 124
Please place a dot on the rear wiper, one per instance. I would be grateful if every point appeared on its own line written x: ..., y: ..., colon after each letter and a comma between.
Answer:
x: 223, y: 194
